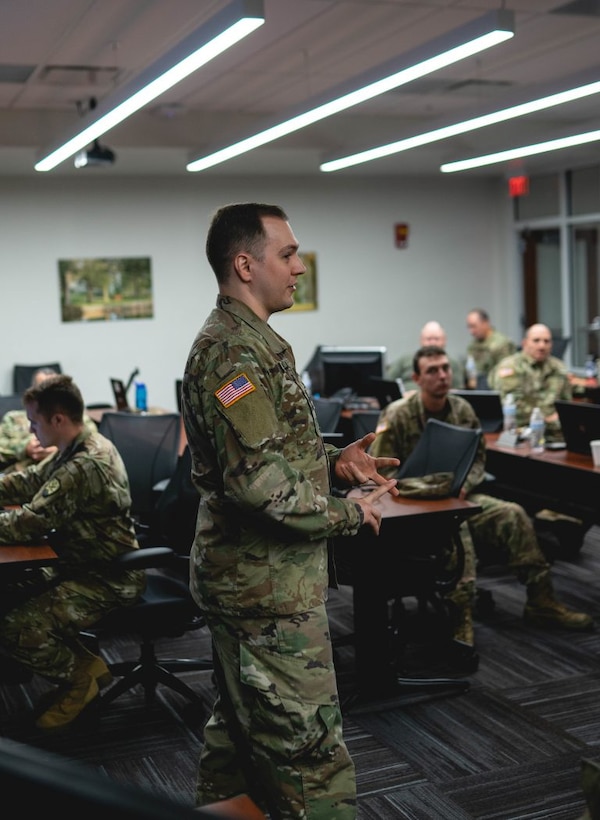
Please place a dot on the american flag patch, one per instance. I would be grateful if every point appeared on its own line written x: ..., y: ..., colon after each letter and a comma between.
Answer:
x: 234, y: 390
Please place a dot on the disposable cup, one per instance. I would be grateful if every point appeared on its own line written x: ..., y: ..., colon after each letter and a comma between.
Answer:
x: 595, y: 448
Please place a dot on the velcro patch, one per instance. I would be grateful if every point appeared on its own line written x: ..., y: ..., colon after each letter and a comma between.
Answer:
x: 51, y: 487
x: 506, y: 371
x: 234, y: 390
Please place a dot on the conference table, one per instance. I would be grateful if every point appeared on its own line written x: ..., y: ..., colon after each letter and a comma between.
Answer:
x: 23, y: 556
x: 373, y: 561
x: 555, y: 479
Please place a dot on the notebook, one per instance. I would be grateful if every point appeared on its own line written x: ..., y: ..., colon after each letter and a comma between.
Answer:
x: 487, y: 405
x: 120, y: 395
x: 580, y: 423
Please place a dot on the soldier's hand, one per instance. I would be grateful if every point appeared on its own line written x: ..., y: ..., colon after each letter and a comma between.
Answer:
x: 356, y: 466
x: 372, y: 513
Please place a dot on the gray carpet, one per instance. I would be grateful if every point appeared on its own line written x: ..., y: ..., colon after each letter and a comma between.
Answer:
x: 508, y: 749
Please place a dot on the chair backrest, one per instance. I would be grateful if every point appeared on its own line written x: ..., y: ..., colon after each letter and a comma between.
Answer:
x: 559, y: 346
x: 8, y: 403
x: 443, y: 448
x: 178, y: 386
x: 23, y: 374
x: 328, y: 413
x: 149, y: 446
x: 364, y: 421
x: 177, y: 507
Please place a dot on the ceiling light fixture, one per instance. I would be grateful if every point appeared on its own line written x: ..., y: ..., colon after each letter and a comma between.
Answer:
x: 524, y: 151
x: 476, y: 36
x: 226, y: 28
x: 548, y: 101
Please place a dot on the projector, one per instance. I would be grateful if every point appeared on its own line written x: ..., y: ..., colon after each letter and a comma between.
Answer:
x: 97, y: 155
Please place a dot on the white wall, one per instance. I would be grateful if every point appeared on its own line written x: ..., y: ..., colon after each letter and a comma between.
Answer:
x: 370, y: 293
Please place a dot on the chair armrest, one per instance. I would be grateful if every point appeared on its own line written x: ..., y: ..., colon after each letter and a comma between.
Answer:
x: 146, y: 557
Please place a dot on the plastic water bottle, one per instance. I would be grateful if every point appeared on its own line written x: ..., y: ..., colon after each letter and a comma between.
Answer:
x: 141, y: 397
x: 306, y: 380
x: 471, y: 372
x: 591, y: 370
x: 537, y: 429
x: 509, y: 411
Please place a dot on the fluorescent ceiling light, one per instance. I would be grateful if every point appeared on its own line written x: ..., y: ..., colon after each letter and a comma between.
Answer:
x: 476, y: 36
x: 463, y: 127
x: 524, y: 151
x: 233, y: 23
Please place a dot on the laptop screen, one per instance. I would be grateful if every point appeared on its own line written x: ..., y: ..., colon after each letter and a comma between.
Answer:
x: 487, y: 406
x: 120, y: 394
x: 580, y: 424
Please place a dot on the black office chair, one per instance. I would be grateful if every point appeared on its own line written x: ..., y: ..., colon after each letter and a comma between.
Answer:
x: 23, y: 374
x: 364, y: 422
x: 165, y: 610
x: 149, y: 446
x: 328, y: 413
x: 420, y: 567
x: 178, y: 386
x: 559, y: 346
x: 8, y: 403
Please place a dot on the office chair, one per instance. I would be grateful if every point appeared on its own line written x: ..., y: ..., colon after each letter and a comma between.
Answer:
x: 32, y: 778
x: 178, y: 386
x: 328, y: 413
x: 559, y: 346
x: 23, y: 374
x: 149, y: 446
x: 165, y: 610
x: 364, y: 422
x: 8, y: 403
x: 420, y: 567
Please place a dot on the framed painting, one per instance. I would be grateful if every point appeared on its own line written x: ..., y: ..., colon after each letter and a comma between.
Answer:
x: 305, y: 297
x: 97, y: 290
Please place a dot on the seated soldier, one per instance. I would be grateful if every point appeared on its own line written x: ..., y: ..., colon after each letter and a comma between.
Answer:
x: 502, y: 525
x: 19, y: 447
x: 79, y: 498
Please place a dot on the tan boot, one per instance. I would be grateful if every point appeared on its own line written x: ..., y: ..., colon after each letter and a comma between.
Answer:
x: 89, y: 673
x: 543, y: 610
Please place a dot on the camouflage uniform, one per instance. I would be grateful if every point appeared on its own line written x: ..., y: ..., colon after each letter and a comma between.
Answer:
x: 534, y: 384
x: 502, y: 525
x: 15, y: 435
x: 488, y: 352
x: 260, y: 571
x: 80, y: 498
x: 402, y: 368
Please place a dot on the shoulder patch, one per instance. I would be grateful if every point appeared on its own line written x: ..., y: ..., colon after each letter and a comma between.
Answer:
x: 503, y: 372
x: 234, y: 390
x: 381, y: 426
x: 51, y: 487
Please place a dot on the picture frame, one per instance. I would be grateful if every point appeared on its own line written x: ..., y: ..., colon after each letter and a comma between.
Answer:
x: 305, y: 297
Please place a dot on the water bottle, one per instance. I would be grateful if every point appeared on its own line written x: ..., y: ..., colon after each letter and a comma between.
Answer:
x: 509, y: 412
x: 306, y: 380
x: 141, y: 397
x: 471, y: 372
x: 536, y: 428
x: 591, y: 371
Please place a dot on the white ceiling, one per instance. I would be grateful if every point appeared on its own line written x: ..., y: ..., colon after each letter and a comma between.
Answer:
x: 55, y: 55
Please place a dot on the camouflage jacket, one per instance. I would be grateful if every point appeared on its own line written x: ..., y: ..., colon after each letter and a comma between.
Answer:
x: 262, y: 470
x: 402, y: 422
x: 15, y: 435
x: 402, y: 368
x: 490, y: 351
x: 533, y: 384
x: 80, y: 499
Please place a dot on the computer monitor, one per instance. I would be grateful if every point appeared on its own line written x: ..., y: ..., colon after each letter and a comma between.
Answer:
x: 346, y: 368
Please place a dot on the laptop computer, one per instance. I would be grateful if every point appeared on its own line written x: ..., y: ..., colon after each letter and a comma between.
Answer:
x: 120, y: 395
x: 384, y: 390
x: 487, y: 405
x: 580, y: 424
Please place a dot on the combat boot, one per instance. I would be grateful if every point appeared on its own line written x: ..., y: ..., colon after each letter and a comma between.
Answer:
x: 89, y: 675
x: 543, y: 610
x: 463, y: 630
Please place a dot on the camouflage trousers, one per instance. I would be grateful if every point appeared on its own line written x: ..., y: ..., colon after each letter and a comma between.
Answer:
x: 41, y: 630
x: 276, y: 728
x: 503, y: 533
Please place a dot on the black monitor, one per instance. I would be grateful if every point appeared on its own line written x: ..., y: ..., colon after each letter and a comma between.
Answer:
x: 347, y: 368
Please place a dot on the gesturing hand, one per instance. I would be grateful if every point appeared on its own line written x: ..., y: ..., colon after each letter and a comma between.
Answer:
x: 356, y: 466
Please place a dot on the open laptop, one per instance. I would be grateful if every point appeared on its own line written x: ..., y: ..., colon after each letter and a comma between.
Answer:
x: 487, y: 405
x: 580, y: 424
x: 120, y: 395
x: 384, y: 390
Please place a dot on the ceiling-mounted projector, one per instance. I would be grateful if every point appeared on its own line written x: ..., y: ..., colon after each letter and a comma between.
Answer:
x: 96, y: 155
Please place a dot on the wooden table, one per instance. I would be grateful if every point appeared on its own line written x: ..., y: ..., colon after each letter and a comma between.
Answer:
x: 374, y: 562
x: 555, y: 479
x: 22, y: 556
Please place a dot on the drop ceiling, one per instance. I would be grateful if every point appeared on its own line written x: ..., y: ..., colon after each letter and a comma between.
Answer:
x: 56, y: 55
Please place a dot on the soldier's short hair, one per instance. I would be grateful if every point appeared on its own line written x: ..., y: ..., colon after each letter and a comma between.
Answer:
x: 56, y: 394
x: 426, y: 352
x: 236, y: 228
